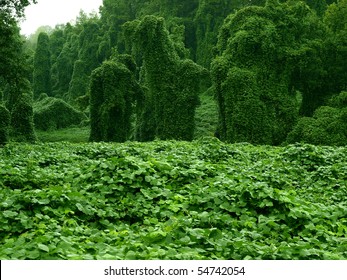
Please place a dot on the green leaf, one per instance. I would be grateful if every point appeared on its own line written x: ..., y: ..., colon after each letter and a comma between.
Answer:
x: 10, y: 214
x: 43, y: 247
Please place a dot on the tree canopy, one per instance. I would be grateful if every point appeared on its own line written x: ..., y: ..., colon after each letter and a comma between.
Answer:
x: 14, y: 8
x: 15, y: 87
x: 270, y: 67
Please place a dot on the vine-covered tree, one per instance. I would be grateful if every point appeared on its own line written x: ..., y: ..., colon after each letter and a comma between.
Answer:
x: 114, y: 13
x: 13, y: 71
x: 57, y: 42
x: 173, y: 83
x: 11, y: 47
x: 208, y: 19
x: 265, y: 52
x: 42, y: 67
x: 87, y: 61
x: 79, y: 82
x: 63, y: 67
x: 327, y: 126
x: 113, y: 91
x: 89, y: 43
x: 336, y: 20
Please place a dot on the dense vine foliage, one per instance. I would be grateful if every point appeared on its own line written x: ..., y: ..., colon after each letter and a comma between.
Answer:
x: 327, y: 126
x: 15, y: 88
x: 22, y: 119
x: 42, y: 67
x: 53, y: 113
x: 4, y: 124
x: 173, y: 83
x: 113, y: 92
x: 269, y: 72
x: 256, y: 73
x: 274, y: 64
x: 172, y: 200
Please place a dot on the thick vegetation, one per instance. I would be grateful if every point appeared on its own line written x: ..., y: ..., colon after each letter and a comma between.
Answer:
x: 265, y: 72
x: 22, y: 119
x: 113, y: 93
x: 52, y: 113
x: 4, y: 124
x: 275, y: 65
x: 15, y: 88
x: 42, y: 67
x: 172, y: 200
x: 173, y: 83
x: 256, y: 71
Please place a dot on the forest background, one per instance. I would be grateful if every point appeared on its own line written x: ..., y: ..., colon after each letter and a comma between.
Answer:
x: 264, y: 72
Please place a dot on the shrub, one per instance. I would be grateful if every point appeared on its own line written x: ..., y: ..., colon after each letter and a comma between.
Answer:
x: 52, y: 113
x: 326, y: 127
x: 339, y: 101
x: 22, y: 123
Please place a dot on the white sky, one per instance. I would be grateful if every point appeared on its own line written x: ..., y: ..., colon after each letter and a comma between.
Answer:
x: 53, y: 12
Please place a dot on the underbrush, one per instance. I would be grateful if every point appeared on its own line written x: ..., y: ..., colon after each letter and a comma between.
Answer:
x: 172, y: 200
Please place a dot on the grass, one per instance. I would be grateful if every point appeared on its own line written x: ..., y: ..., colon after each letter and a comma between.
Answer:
x: 206, y: 117
x: 72, y: 134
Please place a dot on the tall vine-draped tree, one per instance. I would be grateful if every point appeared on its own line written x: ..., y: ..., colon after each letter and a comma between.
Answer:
x: 10, y: 42
x: 57, y: 41
x: 336, y: 20
x: 87, y: 57
x: 89, y: 42
x: 79, y: 81
x: 42, y: 67
x: 328, y: 125
x: 13, y: 71
x: 173, y: 83
x: 63, y: 67
x: 114, y: 13
x: 265, y: 52
x: 113, y: 92
x: 208, y: 19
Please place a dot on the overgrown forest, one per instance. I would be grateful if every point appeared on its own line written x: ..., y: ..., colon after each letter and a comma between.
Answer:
x: 263, y: 72
x: 204, y: 129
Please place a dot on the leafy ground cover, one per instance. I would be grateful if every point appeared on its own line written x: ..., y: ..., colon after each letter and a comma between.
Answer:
x: 172, y: 200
